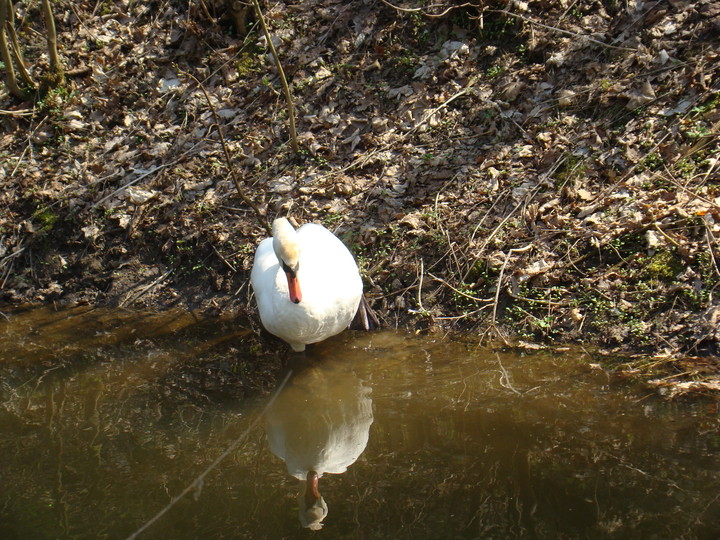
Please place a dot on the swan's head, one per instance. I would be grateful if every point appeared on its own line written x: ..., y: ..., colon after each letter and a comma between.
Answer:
x: 287, y: 250
x: 312, y: 506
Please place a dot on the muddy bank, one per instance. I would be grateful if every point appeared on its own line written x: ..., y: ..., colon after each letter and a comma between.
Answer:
x: 531, y: 176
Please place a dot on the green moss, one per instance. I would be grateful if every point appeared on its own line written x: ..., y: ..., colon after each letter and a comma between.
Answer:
x: 494, y: 72
x: 46, y: 218
x: 572, y: 167
x: 663, y: 266
x: 710, y: 104
x: 686, y: 168
x: 331, y: 219
x: 653, y: 162
x: 478, y: 273
x: 55, y: 99
x: 246, y: 64
x: 629, y: 244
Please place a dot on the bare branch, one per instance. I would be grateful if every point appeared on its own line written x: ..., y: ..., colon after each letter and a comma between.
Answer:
x: 56, y: 76
x: 10, y: 80
x: 16, y: 49
x: 560, y: 30
x: 424, y: 11
x: 283, y: 80
x: 243, y: 196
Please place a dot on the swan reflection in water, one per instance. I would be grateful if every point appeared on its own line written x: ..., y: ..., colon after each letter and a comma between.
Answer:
x: 319, y: 424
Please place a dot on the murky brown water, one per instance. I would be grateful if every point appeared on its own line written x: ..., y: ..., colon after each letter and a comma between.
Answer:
x: 106, y: 417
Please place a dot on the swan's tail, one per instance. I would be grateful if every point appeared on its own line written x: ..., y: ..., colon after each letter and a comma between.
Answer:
x: 365, y: 318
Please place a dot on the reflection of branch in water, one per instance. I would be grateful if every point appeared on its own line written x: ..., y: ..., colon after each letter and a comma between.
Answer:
x: 505, y: 381
x: 505, y: 377
x: 197, y: 484
x: 623, y: 463
x: 525, y: 503
x: 360, y: 498
x: 700, y: 516
x: 54, y: 406
x: 464, y: 379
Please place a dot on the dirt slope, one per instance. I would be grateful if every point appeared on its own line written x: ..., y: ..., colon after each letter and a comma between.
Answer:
x: 565, y: 152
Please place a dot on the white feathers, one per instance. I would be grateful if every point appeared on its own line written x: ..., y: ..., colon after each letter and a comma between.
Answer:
x: 327, y: 276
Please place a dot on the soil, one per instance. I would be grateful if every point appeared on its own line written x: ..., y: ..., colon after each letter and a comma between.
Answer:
x: 534, y: 173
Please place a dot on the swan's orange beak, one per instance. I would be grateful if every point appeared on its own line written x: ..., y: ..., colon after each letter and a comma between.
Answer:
x: 294, y: 288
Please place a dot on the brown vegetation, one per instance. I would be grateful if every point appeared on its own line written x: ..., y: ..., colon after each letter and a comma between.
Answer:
x: 540, y: 171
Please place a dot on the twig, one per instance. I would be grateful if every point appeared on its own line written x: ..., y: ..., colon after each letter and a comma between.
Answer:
x: 475, y: 298
x: 709, y: 236
x: 9, y: 260
x: 501, y: 225
x: 599, y: 199
x: 223, y: 259
x: 129, y: 298
x: 505, y: 376
x: 677, y: 184
x: 555, y: 166
x: 444, y: 104
x: 283, y: 80
x: 463, y: 316
x: 245, y: 198
x: 198, y: 482
x: 537, y: 300
x: 14, y: 254
x: 23, y: 112
x: 55, y: 64
x: 10, y: 80
x: 207, y: 12
x: 666, y: 235
x: 500, y: 278
x: 420, y: 285
x: 424, y: 10
x: 135, y: 181
x: 438, y: 220
x: 17, y: 50
x: 560, y: 30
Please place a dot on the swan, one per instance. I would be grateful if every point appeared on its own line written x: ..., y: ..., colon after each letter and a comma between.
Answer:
x: 307, y: 285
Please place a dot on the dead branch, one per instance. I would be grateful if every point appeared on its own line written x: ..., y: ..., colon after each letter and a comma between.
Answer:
x: 6, y: 15
x: 447, y: 9
x: 16, y: 49
x: 283, y: 80
x: 133, y: 297
x: 560, y: 30
x: 51, y: 35
x: 238, y: 187
x: 444, y: 104
x: 197, y: 483
x: 500, y: 278
x: 421, y: 309
x: 474, y: 298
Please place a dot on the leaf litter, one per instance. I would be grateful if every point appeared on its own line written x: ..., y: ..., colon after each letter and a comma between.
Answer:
x: 534, y: 172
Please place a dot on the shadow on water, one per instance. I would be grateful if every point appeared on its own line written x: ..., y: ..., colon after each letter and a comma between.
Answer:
x: 106, y: 416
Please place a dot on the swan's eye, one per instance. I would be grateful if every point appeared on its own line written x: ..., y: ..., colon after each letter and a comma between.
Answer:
x: 288, y: 270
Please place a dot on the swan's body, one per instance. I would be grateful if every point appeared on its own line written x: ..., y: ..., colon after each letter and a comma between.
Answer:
x: 306, y: 284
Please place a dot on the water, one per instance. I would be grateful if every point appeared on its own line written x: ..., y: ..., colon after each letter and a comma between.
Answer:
x: 105, y: 417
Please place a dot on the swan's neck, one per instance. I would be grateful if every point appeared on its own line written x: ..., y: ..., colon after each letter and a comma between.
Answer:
x: 312, y: 490
x: 285, y: 243
x: 287, y: 250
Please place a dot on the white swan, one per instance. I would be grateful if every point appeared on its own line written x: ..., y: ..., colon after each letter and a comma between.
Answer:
x: 306, y: 284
